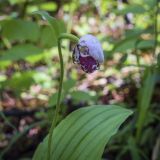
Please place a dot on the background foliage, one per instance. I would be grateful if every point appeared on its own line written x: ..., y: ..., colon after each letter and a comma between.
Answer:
x: 29, y: 72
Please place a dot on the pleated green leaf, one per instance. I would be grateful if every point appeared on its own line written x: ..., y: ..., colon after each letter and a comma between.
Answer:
x: 83, y: 134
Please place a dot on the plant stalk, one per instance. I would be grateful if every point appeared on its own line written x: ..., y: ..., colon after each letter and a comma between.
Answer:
x: 156, y: 27
x: 149, y: 81
x: 58, y: 107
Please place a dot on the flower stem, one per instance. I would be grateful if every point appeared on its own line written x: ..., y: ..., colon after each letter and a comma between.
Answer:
x: 156, y: 27
x: 58, y: 108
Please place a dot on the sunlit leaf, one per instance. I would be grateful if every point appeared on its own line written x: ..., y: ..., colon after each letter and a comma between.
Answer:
x: 20, y: 52
x: 133, y: 40
x: 48, y: 6
x: 129, y: 44
x: 150, y: 3
x: 13, y: 2
x: 69, y: 84
x: 17, y: 29
x: 53, y: 99
x: 145, y: 44
x: 46, y: 38
x: 43, y: 79
x: 125, y: 45
x: 134, y: 8
x: 20, y: 81
x: 81, y: 96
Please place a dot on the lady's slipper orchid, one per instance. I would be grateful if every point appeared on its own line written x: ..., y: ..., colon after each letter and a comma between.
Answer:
x: 88, y: 53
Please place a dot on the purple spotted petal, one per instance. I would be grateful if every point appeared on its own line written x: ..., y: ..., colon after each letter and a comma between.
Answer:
x: 88, y: 64
x: 88, y: 53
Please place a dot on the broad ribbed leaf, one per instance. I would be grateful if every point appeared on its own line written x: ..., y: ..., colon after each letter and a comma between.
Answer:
x: 84, y: 134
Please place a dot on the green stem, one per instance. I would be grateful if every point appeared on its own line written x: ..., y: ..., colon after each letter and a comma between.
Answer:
x: 58, y: 108
x: 144, y: 99
x: 149, y: 82
x: 156, y: 29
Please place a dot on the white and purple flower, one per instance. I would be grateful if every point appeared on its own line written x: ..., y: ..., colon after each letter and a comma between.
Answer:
x: 88, y: 53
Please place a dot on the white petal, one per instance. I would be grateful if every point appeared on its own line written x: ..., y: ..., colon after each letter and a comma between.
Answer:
x: 95, y: 49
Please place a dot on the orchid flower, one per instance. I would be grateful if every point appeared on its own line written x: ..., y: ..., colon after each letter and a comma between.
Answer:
x: 88, y: 53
